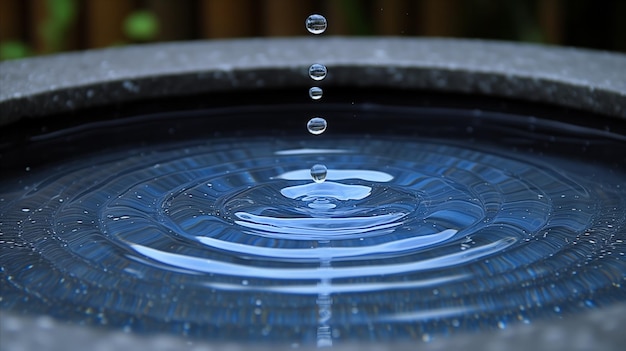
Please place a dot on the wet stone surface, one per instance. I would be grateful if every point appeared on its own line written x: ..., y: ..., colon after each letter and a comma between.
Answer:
x: 589, y: 80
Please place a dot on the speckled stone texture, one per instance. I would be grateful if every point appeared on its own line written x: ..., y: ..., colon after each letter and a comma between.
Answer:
x: 582, y: 79
x: 600, y: 330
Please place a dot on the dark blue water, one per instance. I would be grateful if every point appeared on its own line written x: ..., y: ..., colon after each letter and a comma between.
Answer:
x: 229, y: 238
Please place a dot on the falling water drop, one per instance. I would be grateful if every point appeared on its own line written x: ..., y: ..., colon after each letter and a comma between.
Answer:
x: 316, y: 93
x: 318, y: 173
x: 316, y: 24
x: 316, y: 125
x: 317, y: 71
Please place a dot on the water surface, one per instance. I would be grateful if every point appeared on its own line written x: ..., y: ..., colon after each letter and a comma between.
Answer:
x: 437, y: 228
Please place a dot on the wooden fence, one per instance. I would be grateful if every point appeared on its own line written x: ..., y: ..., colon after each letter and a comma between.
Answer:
x: 45, y: 26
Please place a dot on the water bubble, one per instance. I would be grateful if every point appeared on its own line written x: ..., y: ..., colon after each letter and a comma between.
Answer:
x: 316, y: 125
x: 317, y: 71
x: 315, y: 93
x: 318, y: 173
x: 316, y: 24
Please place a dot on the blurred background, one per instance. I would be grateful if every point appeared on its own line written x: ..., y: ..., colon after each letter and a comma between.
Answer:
x: 36, y: 27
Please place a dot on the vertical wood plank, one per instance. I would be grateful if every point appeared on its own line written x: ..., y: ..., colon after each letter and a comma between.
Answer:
x: 390, y: 17
x: 439, y: 18
x: 37, y: 14
x: 10, y: 27
x: 551, y: 20
x: 174, y: 19
x: 337, y: 18
x: 105, y: 20
x: 228, y: 18
x: 285, y: 17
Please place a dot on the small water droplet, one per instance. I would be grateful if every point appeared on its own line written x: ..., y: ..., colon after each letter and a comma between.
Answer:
x: 316, y: 125
x: 316, y: 93
x: 316, y: 24
x: 317, y: 71
x: 318, y: 173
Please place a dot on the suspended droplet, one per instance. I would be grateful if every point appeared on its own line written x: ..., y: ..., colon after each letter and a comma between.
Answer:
x: 316, y: 125
x: 317, y: 71
x: 318, y: 173
x: 316, y: 24
x: 316, y: 93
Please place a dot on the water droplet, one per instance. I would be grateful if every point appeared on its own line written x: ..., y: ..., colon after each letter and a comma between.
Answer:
x: 318, y: 173
x: 316, y: 125
x: 315, y: 93
x: 317, y: 71
x: 316, y: 24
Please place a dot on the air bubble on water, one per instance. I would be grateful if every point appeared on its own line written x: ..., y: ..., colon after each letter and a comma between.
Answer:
x: 316, y: 24
x: 316, y: 125
x: 318, y: 173
x: 315, y: 93
x: 317, y: 71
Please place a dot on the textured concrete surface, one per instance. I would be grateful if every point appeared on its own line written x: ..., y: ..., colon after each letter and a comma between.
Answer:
x: 587, y: 80
x: 600, y: 330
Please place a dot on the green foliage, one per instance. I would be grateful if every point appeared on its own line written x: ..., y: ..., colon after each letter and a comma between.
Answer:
x: 61, y: 15
x: 141, y: 26
x: 10, y: 50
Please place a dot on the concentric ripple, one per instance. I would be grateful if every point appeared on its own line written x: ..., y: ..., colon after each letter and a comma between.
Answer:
x: 229, y: 237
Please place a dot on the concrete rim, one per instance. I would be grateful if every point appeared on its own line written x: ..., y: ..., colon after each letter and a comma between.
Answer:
x: 587, y: 80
